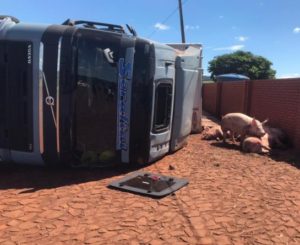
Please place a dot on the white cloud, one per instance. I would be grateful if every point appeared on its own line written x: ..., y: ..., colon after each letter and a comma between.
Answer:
x: 187, y: 27
x: 230, y: 48
x: 296, y: 30
x: 293, y: 75
x: 242, y: 38
x: 161, y: 26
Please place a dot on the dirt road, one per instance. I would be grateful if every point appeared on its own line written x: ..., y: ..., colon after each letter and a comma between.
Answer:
x: 232, y: 198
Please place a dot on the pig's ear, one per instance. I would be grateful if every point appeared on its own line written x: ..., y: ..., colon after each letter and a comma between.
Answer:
x: 265, y: 122
x: 253, y: 123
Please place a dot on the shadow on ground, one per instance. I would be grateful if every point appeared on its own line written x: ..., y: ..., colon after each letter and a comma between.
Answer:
x: 228, y: 146
x: 289, y: 156
x: 34, y: 178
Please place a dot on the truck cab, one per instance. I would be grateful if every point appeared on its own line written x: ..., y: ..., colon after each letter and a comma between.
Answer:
x: 84, y: 92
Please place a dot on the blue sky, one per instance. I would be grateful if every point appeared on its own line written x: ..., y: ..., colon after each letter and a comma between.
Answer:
x: 270, y: 28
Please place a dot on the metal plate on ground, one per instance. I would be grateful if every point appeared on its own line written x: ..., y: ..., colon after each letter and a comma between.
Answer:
x: 149, y: 184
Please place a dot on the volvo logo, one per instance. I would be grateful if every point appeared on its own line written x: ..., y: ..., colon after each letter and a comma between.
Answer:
x: 49, y: 100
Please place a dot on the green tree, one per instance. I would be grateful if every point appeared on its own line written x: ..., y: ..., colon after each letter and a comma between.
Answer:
x: 245, y: 63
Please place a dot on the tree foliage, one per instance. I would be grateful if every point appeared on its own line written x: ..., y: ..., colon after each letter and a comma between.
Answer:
x: 245, y: 63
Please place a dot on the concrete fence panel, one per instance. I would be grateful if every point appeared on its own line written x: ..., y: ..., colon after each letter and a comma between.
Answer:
x: 276, y: 100
x: 209, y: 95
x: 233, y: 97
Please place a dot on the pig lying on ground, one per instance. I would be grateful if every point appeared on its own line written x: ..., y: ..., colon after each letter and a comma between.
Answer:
x: 274, y: 138
x: 256, y: 145
x: 239, y: 124
x: 213, y: 133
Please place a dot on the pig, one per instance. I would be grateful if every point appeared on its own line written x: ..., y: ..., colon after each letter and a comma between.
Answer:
x: 239, y: 124
x: 213, y: 133
x: 276, y: 137
x: 256, y: 145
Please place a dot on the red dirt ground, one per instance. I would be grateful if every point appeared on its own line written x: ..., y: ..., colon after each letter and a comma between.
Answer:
x: 232, y: 198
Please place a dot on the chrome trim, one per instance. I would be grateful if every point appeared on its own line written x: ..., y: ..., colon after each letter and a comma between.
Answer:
x: 49, y: 96
x: 57, y: 94
x: 41, y: 78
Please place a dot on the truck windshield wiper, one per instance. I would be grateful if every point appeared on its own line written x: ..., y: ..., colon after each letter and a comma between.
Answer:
x: 131, y: 30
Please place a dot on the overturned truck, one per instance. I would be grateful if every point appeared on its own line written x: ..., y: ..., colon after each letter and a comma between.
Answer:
x: 92, y: 92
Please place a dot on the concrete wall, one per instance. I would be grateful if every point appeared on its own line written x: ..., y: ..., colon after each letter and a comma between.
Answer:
x: 209, y: 93
x: 278, y: 100
x: 233, y: 95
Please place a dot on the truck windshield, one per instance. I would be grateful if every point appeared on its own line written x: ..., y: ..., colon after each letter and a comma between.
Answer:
x: 96, y: 99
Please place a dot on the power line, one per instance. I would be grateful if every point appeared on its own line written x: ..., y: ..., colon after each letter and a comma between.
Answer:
x: 167, y: 18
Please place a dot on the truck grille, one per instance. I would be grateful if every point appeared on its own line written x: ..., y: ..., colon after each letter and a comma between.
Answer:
x: 16, y: 100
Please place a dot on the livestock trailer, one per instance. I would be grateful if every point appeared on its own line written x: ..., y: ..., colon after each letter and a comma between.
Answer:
x: 88, y: 92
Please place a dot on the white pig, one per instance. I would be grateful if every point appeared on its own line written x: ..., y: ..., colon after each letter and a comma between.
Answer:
x: 239, y: 124
x: 255, y: 145
x: 213, y: 133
